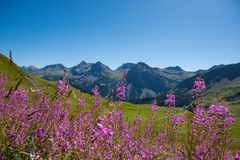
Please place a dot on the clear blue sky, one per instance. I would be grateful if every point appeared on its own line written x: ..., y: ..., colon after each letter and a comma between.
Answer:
x: 193, y: 34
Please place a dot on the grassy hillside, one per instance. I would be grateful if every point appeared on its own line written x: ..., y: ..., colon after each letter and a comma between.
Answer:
x: 15, y: 75
x: 229, y: 95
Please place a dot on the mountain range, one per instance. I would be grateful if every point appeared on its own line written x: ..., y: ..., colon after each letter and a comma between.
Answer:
x: 144, y: 83
x: 142, y: 80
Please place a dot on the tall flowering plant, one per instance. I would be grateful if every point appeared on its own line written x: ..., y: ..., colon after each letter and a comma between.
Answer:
x: 62, y: 88
x: 209, y: 128
x: 170, y: 101
x: 173, y: 122
x: 199, y: 88
x: 121, y: 90
x: 97, y: 97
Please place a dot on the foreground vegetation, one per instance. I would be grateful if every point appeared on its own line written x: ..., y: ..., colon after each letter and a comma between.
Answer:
x: 36, y: 126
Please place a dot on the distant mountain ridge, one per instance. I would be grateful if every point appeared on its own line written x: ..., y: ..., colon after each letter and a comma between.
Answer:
x: 145, y: 82
x: 142, y: 80
x: 174, y: 69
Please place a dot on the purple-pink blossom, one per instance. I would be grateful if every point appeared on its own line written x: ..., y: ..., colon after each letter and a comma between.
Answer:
x: 201, y: 151
x: 170, y: 101
x: 81, y: 103
x: 199, y: 88
x: 39, y: 133
x: 154, y: 107
x: 121, y: 91
x: 95, y: 91
x: 62, y: 88
x: 137, y: 120
x: 107, y: 131
x: 199, y: 85
x: 118, y: 147
x: 218, y: 109
x: 229, y: 121
x: 199, y: 116
x: 3, y: 79
x: 237, y: 156
x: 97, y: 97
x: 178, y: 119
